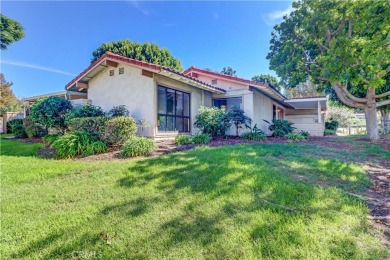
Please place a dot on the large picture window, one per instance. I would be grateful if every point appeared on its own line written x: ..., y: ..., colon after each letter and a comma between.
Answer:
x: 173, y: 110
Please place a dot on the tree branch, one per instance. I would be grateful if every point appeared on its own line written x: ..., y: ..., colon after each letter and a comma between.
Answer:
x: 323, y: 47
x: 383, y: 103
x: 350, y: 29
x: 341, y: 95
x: 383, y: 95
x: 352, y: 97
x: 339, y: 28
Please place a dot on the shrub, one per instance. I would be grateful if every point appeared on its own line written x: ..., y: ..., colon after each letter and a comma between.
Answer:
x: 329, y: 132
x: 77, y: 143
x: 212, y: 121
x: 295, y: 137
x: 51, y: 111
x: 304, y: 133
x: 83, y: 111
x: 255, y: 133
x: 332, y: 125
x: 119, y: 111
x: 201, y: 138
x: 19, y: 131
x: 182, y: 139
x: 49, y: 139
x: 280, y: 127
x: 32, y: 129
x: 118, y: 129
x: 238, y: 118
x: 136, y: 146
x: 11, y: 123
x: 92, y: 125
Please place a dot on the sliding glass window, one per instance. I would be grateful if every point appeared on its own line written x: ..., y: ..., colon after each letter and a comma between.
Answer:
x: 173, y: 110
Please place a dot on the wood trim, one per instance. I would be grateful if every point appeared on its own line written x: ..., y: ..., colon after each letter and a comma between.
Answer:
x: 111, y: 63
x: 147, y: 73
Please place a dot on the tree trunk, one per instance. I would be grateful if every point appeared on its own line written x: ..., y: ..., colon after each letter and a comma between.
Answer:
x: 371, y: 122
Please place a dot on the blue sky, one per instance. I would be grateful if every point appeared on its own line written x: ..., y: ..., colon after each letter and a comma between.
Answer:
x: 61, y: 36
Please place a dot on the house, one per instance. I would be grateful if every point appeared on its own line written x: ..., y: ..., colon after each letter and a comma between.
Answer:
x: 169, y: 100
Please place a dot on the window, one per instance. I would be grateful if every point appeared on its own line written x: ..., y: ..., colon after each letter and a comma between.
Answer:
x: 228, y: 103
x: 274, y: 112
x: 121, y: 70
x: 173, y: 110
x: 111, y: 72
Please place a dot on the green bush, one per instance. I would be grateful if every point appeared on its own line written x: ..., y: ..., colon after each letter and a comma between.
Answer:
x: 19, y: 131
x: 136, y: 146
x: 254, y: 134
x: 11, y: 123
x: 118, y: 129
x: 78, y: 143
x: 332, y: 125
x: 280, y: 128
x: 32, y: 129
x: 304, y: 133
x: 50, y: 112
x: 295, y: 137
x: 238, y: 118
x: 119, y: 111
x: 92, y: 125
x: 213, y: 121
x: 329, y: 132
x: 201, y: 138
x: 49, y: 139
x: 182, y: 139
x: 84, y: 111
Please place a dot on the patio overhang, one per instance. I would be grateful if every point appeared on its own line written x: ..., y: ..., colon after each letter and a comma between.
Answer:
x: 317, y: 103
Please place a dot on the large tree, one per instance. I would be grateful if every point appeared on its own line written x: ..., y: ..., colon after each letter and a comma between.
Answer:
x: 305, y: 89
x: 8, y: 101
x: 268, y: 79
x: 148, y: 52
x: 10, y: 31
x: 342, y: 44
x: 228, y: 71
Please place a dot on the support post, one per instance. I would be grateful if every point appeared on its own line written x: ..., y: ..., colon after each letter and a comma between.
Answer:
x: 319, y: 112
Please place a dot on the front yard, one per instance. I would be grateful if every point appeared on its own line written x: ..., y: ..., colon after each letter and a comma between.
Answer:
x: 275, y: 201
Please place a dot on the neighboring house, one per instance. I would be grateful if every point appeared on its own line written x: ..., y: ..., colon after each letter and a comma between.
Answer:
x: 169, y: 100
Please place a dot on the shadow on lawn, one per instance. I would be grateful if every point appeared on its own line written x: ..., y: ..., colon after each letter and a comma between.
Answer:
x: 247, y: 189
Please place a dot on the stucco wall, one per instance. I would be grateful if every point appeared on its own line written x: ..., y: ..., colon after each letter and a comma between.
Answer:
x: 131, y: 89
x: 262, y: 110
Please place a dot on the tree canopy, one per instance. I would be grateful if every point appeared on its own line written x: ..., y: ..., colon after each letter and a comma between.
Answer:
x: 228, y: 71
x: 10, y: 31
x: 268, y: 79
x: 8, y: 101
x: 148, y: 52
x: 341, y: 44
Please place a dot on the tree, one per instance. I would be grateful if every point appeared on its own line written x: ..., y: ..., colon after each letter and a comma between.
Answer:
x: 228, y: 71
x: 305, y: 89
x: 8, y: 101
x: 267, y: 79
x: 10, y: 31
x: 51, y: 112
x: 341, y: 44
x: 238, y: 118
x: 341, y: 114
x: 148, y: 52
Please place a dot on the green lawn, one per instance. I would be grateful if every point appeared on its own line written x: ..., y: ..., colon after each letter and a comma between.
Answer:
x: 275, y: 201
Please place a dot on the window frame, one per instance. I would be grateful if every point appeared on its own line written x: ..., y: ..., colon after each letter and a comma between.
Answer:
x: 226, y: 100
x: 174, y: 115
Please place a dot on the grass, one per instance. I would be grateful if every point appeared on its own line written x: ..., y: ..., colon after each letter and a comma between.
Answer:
x: 276, y: 201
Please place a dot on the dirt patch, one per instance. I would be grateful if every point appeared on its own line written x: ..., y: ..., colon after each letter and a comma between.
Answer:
x: 30, y: 140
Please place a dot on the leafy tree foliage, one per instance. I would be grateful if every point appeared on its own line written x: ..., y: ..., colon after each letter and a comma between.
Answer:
x: 51, y: 112
x: 341, y: 114
x: 228, y: 71
x: 120, y: 110
x: 340, y: 44
x: 10, y: 31
x: 148, y: 52
x: 238, y: 118
x: 305, y: 89
x: 267, y: 79
x: 84, y: 111
x: 8, y: 101
x: 213, y: 121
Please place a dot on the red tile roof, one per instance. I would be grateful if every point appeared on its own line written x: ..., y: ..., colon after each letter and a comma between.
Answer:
x: 143, y: 64
x: 232, y: 78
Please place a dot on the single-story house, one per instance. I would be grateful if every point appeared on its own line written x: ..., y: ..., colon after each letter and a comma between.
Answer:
x: 169, y: 100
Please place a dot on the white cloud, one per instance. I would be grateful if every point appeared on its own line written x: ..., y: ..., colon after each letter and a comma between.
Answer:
x: 274, y: 17
x: 137, y: 6
x: 38, y: 67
